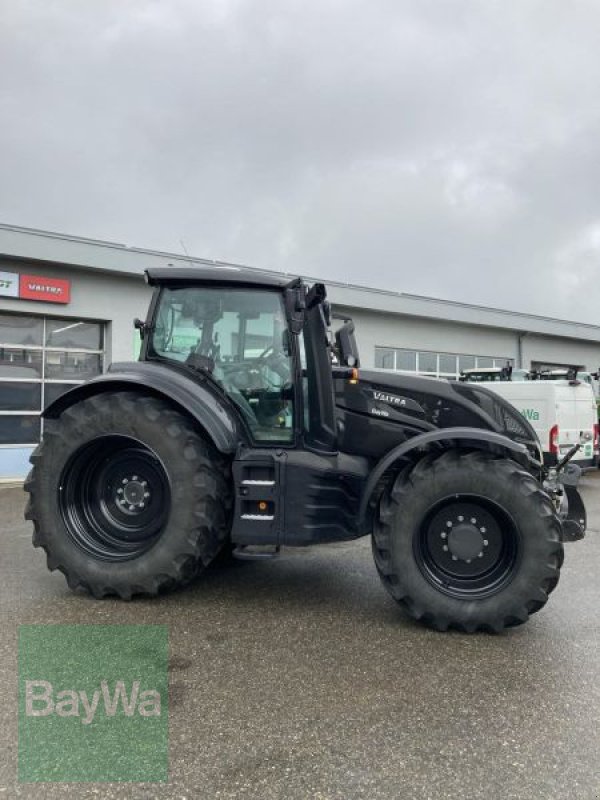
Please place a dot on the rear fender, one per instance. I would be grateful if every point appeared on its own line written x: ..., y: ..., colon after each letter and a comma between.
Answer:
x: 189, y: 396
x: 473, y: 438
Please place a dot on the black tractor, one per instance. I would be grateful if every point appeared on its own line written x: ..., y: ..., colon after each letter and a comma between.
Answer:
x: 246, y: 425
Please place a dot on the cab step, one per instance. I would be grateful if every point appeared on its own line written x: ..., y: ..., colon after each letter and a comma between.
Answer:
x: 256, y: 552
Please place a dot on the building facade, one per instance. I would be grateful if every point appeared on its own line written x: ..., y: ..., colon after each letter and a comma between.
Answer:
x: 67, y: 306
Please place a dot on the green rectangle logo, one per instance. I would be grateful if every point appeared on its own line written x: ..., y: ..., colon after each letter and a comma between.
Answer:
x: 93, y: 703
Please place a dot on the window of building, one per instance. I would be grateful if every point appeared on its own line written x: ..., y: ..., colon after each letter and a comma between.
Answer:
x: 466, y: 362
x: 440, y: 365
x: 40, y: 359
x: 427, y: 363
x: 447, y: 365
x: 405, y: 359
x: 385, y: 358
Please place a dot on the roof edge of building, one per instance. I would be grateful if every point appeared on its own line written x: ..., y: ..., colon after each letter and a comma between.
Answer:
x: 411, y: 304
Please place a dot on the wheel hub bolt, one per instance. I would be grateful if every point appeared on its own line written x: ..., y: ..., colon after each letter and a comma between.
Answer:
x: 464, y: 541
x: 132, y: 494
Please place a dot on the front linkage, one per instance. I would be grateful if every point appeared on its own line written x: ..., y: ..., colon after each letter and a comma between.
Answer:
x: 560, y: 482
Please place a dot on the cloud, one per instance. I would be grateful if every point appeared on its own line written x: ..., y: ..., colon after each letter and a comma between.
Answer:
x: 450, y: 148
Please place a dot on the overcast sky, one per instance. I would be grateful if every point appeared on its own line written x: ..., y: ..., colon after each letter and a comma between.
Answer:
x: 438, y: 147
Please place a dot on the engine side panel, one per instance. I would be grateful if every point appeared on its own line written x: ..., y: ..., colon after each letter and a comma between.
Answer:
x: 383, y: 410
x: 296, y: 497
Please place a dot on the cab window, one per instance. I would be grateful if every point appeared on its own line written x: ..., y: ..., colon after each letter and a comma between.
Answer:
x: 239, y: 337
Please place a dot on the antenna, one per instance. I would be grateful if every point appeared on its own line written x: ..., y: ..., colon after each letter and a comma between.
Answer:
x: 185, y: 250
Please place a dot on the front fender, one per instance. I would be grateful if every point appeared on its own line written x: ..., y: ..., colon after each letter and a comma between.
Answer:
x: 188, y: 395
x: 477, y: 437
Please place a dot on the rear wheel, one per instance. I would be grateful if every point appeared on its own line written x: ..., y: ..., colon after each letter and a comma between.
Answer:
x: 127, y: 497
x: 468, y: 541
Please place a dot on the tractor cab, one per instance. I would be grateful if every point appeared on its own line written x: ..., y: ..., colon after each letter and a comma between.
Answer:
x: 238, y: 338
x: 262, y: 342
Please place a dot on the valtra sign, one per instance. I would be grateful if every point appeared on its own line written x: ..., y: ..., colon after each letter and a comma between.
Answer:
x: 35, y: 287
x: 50, y: 290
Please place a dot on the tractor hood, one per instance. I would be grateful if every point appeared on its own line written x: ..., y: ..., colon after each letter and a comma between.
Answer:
x: 425, y: 404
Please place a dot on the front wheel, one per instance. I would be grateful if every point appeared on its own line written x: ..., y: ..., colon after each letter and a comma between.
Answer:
x: 469, y: 541
x: 127, y: 496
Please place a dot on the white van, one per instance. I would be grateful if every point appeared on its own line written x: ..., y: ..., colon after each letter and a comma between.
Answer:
x: 561, y: 412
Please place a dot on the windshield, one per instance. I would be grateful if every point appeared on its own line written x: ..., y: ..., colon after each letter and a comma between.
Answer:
x: 240, y: 338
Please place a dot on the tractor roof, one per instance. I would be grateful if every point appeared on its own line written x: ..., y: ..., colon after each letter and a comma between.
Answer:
x: 221, y: 275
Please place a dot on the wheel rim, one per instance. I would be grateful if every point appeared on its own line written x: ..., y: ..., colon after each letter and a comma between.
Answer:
x: 467, y: 547
x: 114, y: 498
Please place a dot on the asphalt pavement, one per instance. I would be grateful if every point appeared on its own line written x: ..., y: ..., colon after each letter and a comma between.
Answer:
x: 300, y: 678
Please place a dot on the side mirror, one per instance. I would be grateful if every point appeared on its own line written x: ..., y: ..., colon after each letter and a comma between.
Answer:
x: 295, y: 307
x: 346, y: 346
x: 140, y: 326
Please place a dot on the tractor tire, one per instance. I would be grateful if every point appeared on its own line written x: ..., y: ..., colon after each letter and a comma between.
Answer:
x: 127, y: 497
x: 468, y: 541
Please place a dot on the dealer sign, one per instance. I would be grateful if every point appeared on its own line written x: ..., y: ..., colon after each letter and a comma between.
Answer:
x: 9, y: 284
x: 50, y: 290
x: 35, y: 287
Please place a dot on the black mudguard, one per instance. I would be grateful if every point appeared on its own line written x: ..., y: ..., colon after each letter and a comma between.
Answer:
x: 189, y: 395
x: 447, y: 437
